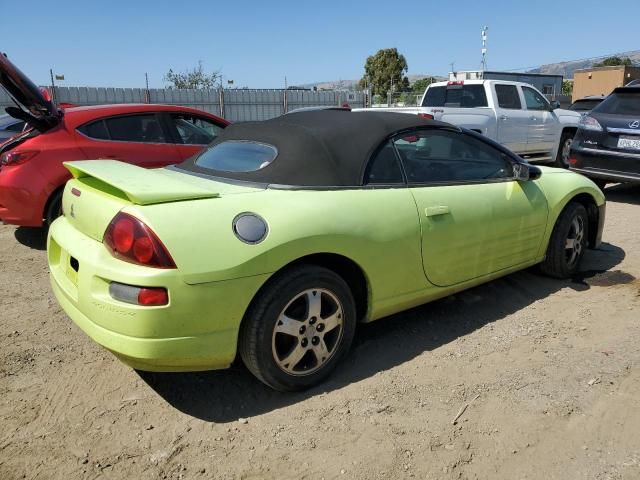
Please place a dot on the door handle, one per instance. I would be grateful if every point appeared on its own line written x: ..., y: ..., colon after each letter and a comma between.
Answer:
x: 532, y: 118
x: 504, y: 117
x: 436, y: 210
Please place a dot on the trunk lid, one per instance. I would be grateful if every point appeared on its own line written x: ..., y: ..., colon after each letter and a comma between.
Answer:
x: 101, y: 188
x: 36, y: 109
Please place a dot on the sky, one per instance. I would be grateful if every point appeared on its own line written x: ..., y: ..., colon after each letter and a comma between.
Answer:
x: 259, y: 43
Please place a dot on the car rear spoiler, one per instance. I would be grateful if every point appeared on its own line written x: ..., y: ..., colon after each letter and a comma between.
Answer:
x: 141, y: 186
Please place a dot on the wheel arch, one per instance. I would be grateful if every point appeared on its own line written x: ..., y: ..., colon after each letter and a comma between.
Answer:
x: 593, y: 213
x: 47, y: 205
x: 352, y: 273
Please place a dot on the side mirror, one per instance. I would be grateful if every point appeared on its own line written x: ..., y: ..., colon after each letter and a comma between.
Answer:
x: 555, y: 104
x: 523, y: 172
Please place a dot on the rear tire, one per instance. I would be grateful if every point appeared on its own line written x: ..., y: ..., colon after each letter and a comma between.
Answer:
x: 567, y: 243
x: 54, y: 209
x: 564, y: 149
x: 298, y: 328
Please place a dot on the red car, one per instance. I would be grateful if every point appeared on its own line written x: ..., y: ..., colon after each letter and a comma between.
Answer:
x: 32, y: 176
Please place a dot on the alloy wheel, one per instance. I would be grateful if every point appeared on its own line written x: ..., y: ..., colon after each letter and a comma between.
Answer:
x: 574, y: 244
x: 566, y: 150
x: 308, y: 332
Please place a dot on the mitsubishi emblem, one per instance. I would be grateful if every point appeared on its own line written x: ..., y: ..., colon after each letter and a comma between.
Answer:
x: 635, y: 124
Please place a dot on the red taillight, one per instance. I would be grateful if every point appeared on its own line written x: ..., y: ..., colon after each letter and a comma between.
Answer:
x: 572, y: 161
x: 153, y: 296
x: 17, y: 157
x: 129, y: 239
x: 145, y: 296
x: 456, y: 82
x: 427, y: 116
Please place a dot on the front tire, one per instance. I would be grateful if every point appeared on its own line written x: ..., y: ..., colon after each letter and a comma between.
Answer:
x: 298, y: 328
x: 564, y: 150
x: 567, y: 243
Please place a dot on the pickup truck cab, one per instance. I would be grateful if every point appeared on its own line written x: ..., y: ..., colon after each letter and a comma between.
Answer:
x: 514, y: 114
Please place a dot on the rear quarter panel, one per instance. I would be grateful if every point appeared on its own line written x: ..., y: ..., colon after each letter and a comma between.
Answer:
x: 377, y: 229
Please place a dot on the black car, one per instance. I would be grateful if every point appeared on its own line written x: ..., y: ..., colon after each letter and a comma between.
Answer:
x: 586, y: 104
x: 606, y: 147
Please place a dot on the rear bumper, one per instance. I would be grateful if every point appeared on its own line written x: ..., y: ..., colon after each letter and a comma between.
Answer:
x: 607, y: 165
x: 21, y: 202
x: 197, y: 330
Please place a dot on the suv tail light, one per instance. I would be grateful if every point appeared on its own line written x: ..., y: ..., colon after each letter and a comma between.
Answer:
x: 129, y: 239
x: 428, y: 116
x: 17, y: 157
x: 587, y: 122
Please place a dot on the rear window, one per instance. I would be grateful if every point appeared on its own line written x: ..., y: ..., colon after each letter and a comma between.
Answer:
x: 584, y: 105
x: 620, y: 104
x: 461, y: 96
x: 237, y: 156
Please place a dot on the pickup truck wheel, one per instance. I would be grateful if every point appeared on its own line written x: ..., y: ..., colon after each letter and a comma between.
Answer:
x: 567, y: 243
x: 298, y: 328
x: 562, y: 157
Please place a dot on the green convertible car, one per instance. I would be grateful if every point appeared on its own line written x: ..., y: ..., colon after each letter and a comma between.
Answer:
x: 280, y: 236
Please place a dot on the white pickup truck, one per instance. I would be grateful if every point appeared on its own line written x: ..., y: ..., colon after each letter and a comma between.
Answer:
x: 511, y: 113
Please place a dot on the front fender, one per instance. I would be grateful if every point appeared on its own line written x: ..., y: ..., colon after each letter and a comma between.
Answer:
x: 560, y: 187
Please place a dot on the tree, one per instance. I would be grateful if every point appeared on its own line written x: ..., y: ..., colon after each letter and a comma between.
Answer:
x: 384, y: 69
x: 614, y: 61
x: 192, y: 79
x: 567, y: 87
x: 419, y: 86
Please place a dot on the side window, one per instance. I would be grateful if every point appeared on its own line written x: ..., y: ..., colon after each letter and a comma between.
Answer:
x: 534, y: 100
x: 508, y: 97
x: 194, y: 130
x: 443, y: 156
x: 383, y: 168
x: 96, y: 130
x: 136, y: 128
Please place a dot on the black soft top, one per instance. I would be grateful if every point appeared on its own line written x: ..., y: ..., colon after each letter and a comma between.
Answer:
x: 322, y: 148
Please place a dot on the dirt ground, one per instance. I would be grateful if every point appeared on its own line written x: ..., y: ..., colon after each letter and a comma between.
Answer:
x: 550, y: 371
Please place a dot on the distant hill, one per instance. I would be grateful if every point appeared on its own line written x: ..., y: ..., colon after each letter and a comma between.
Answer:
x: 566, y: 69
x: 351, y: 84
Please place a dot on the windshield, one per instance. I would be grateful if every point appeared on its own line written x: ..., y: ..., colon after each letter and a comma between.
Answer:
x: 461, y: 96
x: 237, y: 156
x: 584, y: 105
x: 626, y: 103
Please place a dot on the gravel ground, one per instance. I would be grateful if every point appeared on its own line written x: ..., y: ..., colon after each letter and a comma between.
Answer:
x: 550, y: 371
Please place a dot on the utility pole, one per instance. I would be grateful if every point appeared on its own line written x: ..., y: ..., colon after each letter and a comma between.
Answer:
x: 53, y: 85
x: 483, y: 35
x: 147, y: 97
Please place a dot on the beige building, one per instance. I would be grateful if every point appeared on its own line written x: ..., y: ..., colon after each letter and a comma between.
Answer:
x: 601, y: 80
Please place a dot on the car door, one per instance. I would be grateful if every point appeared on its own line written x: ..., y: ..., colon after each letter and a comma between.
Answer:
x: 139, y: 139
x: 191, y: 132
x: 512, y: 118
x: 476, y: 219
x: 543, y: 123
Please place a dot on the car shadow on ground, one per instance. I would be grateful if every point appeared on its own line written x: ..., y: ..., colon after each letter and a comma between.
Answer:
x: 32, y: 237
x: 623, y: 193
x: 226, y: 395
